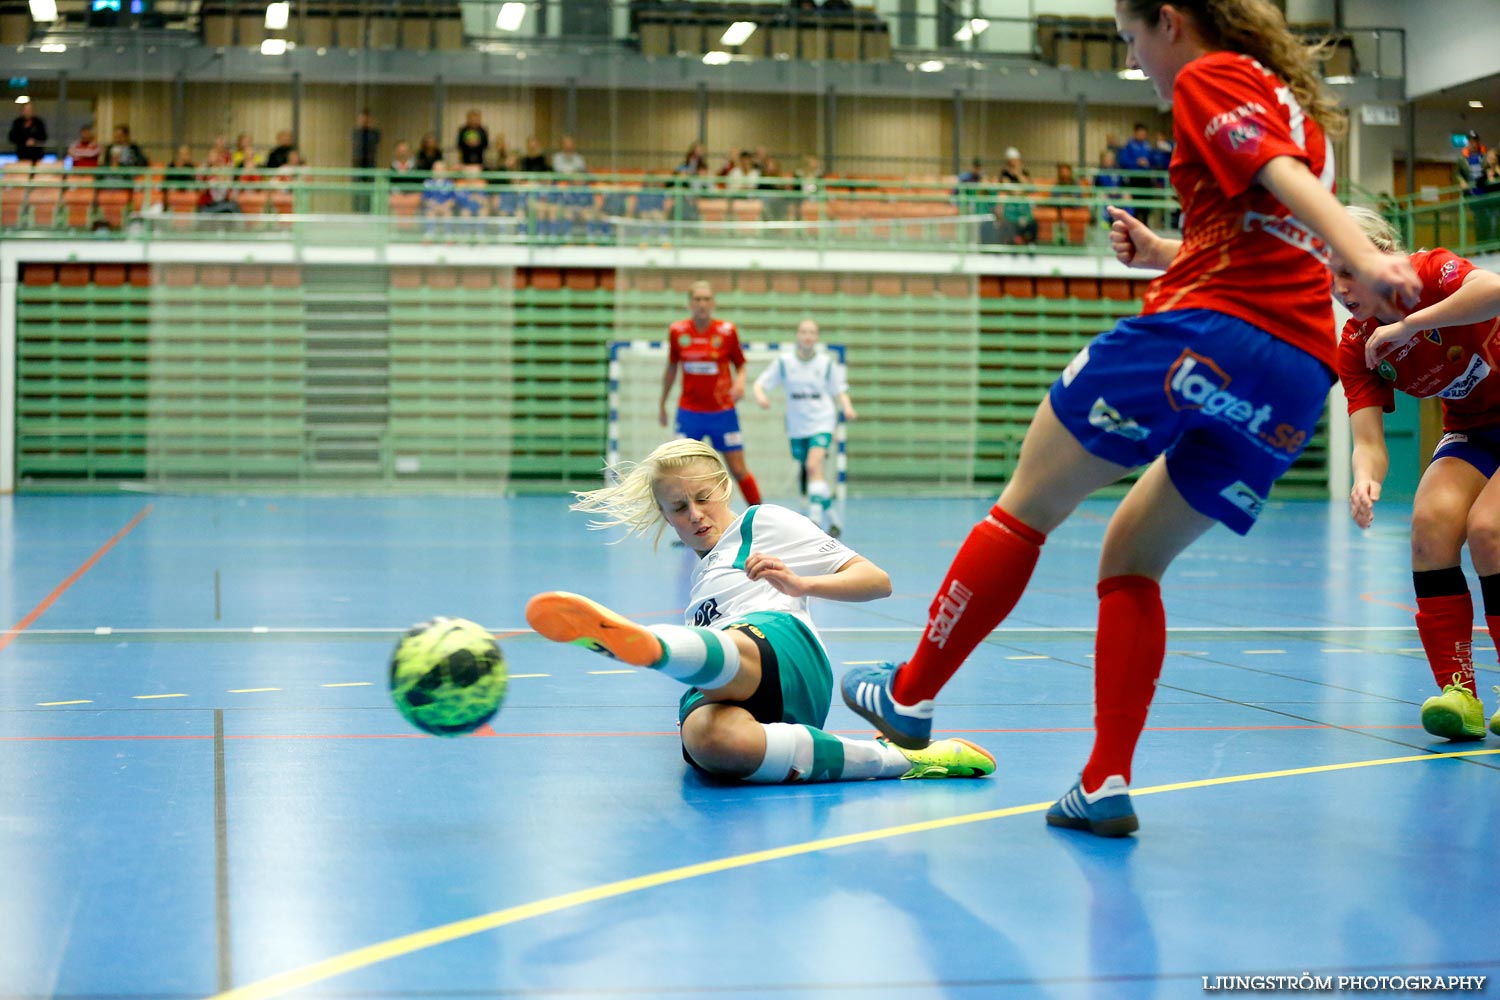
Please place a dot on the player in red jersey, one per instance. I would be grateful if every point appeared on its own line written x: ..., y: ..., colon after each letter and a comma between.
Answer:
x: 1216, y: 386
x: 706, y: 349
x: 1447, y: 348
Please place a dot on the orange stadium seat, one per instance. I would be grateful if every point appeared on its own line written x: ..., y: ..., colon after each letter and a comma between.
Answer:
x: 109, y: 275
x: 1051, y: 288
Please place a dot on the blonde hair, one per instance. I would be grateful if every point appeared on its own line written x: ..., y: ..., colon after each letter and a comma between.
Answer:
x: 630, y: 501
x: 1377, y: 228
x: 1257, y: 29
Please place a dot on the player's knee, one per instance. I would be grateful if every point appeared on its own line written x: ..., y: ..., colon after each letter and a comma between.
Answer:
x: 1436, y: 536
x: 720, y: 747
x: 1484, y: 536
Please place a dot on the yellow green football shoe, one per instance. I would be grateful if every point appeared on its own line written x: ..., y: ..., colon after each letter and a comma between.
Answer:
x: 1456, y: 714
x: 947, y: 759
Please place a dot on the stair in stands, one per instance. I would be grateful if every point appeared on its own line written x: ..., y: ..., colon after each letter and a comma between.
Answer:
x: 347, y: 364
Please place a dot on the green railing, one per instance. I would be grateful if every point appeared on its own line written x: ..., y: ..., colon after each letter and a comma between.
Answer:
x: 326, y: 206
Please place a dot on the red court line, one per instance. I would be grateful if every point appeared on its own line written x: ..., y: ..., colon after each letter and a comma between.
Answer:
x: 618, y: 735
x: 9, y: 635
x: 1370, y: 596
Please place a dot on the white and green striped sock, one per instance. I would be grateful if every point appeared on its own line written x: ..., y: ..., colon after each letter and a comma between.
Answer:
x: 699, y: 657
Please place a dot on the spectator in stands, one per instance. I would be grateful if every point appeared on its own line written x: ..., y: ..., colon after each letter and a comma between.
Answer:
x: 428, y: 153
x: 744, y: 175
x: 1137, y: 154
x: 276, y: 158
x: 245, y: 156
x: 1014, y: 171
x: 772, y: 186
x: 535, y: 160
x: 1112, y: 142
x: 293, y: 171
x: 404, y: 165
x: 365, y: 156
x: 28, y: 134
x: 1468, y: 169
x: 1161, y: 151
x: 84, y: 152
x: 124, y: 152
x: 182, y: 168
x: 217, y: 177
x: 473, y: 139
x: 567, y: 159
x: 1487, y: 215
x: 1107, y: 183
x: 437, y: 196
x: 695, y: 157
x: 974, y: 175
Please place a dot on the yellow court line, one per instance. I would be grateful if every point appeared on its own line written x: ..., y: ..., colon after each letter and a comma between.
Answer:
x: 284, y: 982
x: 251, y: 690
x: 148, y: 697
x: 49, y: 704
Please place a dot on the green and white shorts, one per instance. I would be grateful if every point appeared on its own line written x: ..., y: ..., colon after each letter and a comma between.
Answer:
x: 796, y: 679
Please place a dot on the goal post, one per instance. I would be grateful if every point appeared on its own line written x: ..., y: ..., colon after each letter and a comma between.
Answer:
x: 635, y: 373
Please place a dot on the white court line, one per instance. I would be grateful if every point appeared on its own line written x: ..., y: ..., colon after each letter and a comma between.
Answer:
x: 611, y: 671
x: 349, y: 684
x: 1264, y: 652
x: 251, y: 690
x: 844, y: 630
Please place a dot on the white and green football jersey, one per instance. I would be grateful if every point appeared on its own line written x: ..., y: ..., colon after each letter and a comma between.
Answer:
x: 812, y: 390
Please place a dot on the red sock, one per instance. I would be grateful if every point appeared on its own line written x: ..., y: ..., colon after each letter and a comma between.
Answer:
x: 1446, y: 628
x: 751, y: 491
x: 1128, y: 650
x: 984, y: 583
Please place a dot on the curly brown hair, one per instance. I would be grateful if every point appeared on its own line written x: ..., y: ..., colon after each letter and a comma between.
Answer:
x: 1257, y: 29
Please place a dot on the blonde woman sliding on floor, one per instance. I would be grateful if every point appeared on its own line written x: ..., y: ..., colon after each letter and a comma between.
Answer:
x: 759, y: 680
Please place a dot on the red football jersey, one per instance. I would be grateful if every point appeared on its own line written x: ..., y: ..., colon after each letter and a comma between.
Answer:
x: 1243, y: 252
x: 1453, y: 363
x: 705, y: 356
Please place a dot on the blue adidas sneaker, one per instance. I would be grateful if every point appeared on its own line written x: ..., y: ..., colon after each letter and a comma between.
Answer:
x: 867, y: 690
x: 1105, y: 813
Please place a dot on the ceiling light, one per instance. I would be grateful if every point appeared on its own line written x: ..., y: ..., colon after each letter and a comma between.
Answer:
x: 931, y: 66
x: 737, y: 33
x: 54, y: 47
x: 277, y: 15
x: 511, y: 16
x: 1131, y: 74
x: 972, y: 27
x: 273, y: 47
x: 1478, y: 105
x: 1338, y: 81
x: 44, y: 10
x: 23, y: 99
x: 716, y: 58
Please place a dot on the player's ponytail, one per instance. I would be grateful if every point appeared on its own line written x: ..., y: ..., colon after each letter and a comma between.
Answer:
x: 1377, y: 228
x: 629, y: 502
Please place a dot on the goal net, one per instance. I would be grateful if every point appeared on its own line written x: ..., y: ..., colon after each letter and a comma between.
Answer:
x: 635, y: 373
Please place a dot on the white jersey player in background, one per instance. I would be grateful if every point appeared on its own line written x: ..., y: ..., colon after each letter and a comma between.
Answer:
x: 759, y: 680
x: 817, y: 391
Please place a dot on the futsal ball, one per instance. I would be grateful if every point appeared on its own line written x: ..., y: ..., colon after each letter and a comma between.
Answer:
x: 448, y: 676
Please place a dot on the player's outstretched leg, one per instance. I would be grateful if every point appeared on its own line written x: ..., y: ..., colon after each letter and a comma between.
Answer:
x: 699, y: 657
x: 953, y: 758
x: 574, y: 619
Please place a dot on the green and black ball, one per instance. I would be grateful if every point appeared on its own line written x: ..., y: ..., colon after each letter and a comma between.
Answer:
x: 448, y: 676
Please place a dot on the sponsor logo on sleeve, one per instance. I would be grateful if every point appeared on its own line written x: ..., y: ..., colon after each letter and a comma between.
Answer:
x: 1447, y: 272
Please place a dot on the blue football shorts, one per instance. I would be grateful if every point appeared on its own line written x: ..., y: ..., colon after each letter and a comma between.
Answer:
x: 1229, y: 405
x: 721, y: 427
x: 1480, y: 447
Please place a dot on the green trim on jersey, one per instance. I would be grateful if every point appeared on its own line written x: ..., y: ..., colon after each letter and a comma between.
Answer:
x: 745, y: 527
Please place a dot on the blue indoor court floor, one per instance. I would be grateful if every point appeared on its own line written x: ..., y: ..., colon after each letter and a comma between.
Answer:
x: 205, y: 790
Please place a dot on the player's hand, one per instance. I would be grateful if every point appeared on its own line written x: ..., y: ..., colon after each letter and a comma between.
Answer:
x: 1386, y: 339
x: 661, y: 415
x: 736, y: 391
x: 773, y: 571
x: 761, y: 400
x: 1133, y: 242
x: 1393, y: 277
x: 850, y: 415
x: 1362, y: 502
